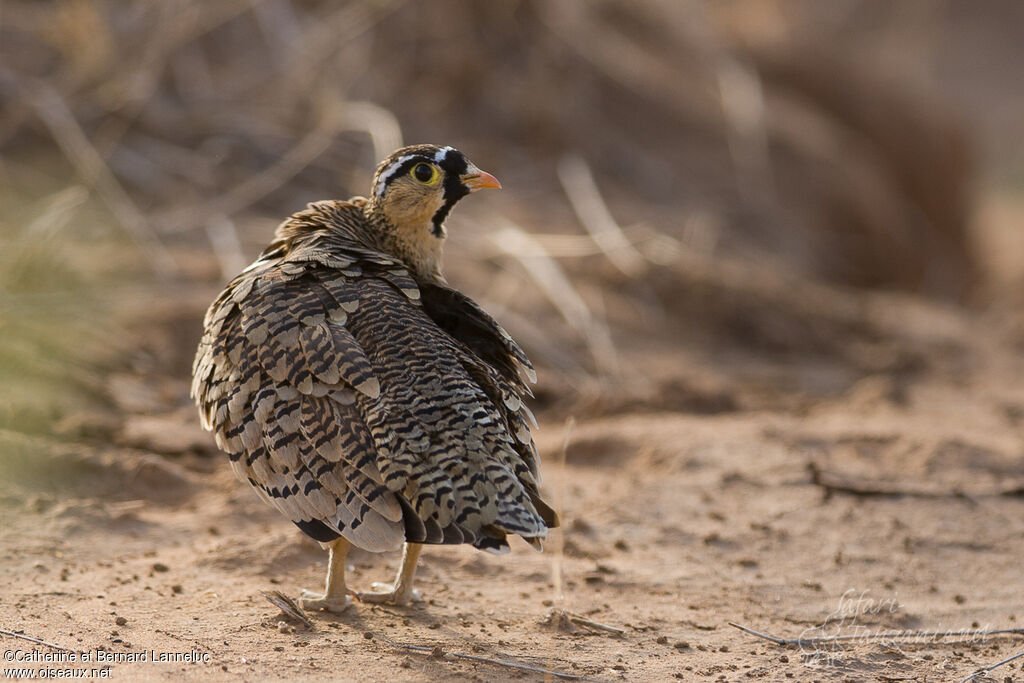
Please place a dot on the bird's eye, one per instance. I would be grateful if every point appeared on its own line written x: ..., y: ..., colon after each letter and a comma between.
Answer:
x: 425, y: 173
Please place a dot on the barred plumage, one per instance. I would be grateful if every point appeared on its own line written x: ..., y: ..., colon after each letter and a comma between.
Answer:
x: 358, y: 393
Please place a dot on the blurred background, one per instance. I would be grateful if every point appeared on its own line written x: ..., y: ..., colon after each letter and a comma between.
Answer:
x: 708, y: 206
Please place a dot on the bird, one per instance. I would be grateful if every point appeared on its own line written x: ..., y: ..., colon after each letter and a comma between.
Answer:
x: 361, y: 395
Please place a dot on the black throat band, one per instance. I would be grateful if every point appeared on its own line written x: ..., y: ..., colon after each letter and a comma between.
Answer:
x: 454, y: 165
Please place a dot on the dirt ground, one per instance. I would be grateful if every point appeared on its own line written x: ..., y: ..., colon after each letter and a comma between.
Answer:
x: 893, y: 505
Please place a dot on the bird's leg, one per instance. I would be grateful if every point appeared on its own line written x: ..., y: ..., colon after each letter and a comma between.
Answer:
x: 401, y: 592
x: 335, y: 596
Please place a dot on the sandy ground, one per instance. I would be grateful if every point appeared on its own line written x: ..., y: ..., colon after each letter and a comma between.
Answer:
x: 892, y: 505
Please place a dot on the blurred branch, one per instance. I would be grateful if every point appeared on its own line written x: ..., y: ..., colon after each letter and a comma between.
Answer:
x: 226, y: 246
x: 726, y: 90
x: 329, y: 35
x: 545, y: 271
x: 380, y: 124
x: 254, y: 189
x: 57, y: 212
x: 628, y: 62
x: 740, y: 90
x: 54, y: 112
x: 580, y: 188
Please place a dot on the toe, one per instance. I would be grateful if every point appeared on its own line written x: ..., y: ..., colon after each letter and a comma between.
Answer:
x: 386, y: 593
x: 376, y: 596
x: 314, y: 602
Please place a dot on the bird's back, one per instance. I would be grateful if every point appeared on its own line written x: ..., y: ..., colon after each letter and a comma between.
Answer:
x: 363, y: 403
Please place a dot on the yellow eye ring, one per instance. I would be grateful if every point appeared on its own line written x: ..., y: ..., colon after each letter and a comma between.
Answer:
x: 428, y: 174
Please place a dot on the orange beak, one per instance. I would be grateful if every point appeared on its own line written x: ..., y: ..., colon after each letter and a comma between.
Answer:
x: 478, y: 180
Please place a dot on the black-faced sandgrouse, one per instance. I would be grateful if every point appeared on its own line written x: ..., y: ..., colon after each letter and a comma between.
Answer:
x: 360, y: 395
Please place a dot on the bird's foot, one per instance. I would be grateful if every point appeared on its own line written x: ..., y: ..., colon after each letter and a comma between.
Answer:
x: 390, y: 593
x: 336, y: 604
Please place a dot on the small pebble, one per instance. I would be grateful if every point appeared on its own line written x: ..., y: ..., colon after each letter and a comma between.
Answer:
x: 120, y: 621
x: 662, y: 640
x: 161, y: 567
x: 681, y: 645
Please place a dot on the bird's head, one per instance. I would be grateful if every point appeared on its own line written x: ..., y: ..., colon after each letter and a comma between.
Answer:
x: 416, y: 187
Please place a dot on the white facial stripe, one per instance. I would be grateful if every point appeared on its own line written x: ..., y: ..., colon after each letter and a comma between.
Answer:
x: 442, y: 153
x: 392, y: 170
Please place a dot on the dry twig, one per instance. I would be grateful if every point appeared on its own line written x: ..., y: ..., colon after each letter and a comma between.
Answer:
x: 593, y: 625
x: 833, y: 483
x: 439, y: 652
x: 37, y: 641
x: 886, y: 636
x: 979, y: 672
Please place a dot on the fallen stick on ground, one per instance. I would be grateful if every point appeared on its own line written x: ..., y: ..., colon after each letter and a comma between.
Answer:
x: 37, y: 641
x: 583, y: 621
x: 834, y: 483
x: 888, y: 635
x: 994, y: 666
x: 591, y: 624
x: 439, y: 653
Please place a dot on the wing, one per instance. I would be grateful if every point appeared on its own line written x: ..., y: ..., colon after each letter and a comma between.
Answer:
x: 462, y: 318
x: 501, y: 368
x: 443, y: 438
